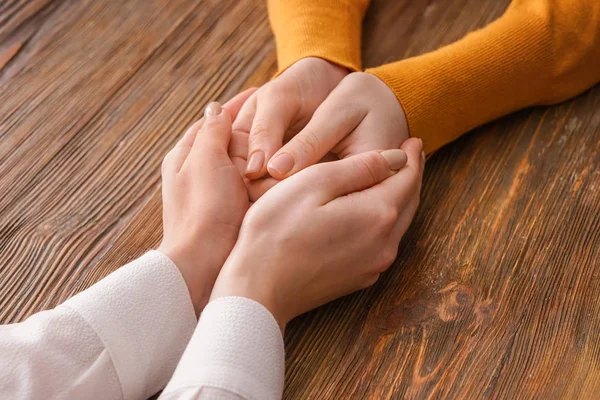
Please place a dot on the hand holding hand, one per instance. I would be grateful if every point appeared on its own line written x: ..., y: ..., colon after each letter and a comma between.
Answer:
x: 204, y: 200
x: 361, y: 114
x: 325, y: 232
x: 282, y: 107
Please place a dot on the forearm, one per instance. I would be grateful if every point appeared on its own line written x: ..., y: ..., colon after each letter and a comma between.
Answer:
x: 121, y: 338
x: 326, y: 29
x: 538, y: 52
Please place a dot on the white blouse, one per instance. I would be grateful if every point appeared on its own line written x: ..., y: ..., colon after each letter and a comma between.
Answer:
x: 134, y: 332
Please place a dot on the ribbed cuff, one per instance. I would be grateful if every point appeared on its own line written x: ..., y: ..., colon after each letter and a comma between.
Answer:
x: 491, y: 72
x: 144, y: 316
x: 330, y: 30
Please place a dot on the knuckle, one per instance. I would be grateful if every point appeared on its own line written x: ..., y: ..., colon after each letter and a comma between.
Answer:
x: 370, y: 165
x: 256, y: 219
x: 258, y: 130
x: 315, y: 179
x: 310, y: 142
x: 273, y: 92
x: 351, y: 110
x: 359, y: 78
x: 268, y: 90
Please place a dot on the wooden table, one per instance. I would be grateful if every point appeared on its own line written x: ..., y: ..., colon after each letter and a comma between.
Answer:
x: 495, y: 292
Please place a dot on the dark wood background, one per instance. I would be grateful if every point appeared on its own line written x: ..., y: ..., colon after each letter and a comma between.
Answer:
x: 495, y: 290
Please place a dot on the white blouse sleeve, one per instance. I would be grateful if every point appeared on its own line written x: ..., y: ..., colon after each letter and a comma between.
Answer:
x: 120, y: 339
x: 236, y: 352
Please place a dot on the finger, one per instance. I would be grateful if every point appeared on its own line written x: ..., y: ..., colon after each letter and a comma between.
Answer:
x: 353, y: 174
x: 405, y: 218
x: 175, y: 158
x: 214, y: 135
x: 371, y: 134
x: 241, y: 130
x: 332, y: 121
x: 398, y: 190
x: 413, y: 148
x: 238, y: 151
x: 235, y: 104
x: 172, y: 162
x: 232, y: 106
x: 244, y: 118
x: 187, y: 140
x: 255, y: 187
x: 274, y: 113
x: 238, y: 147
x: 407, y: 214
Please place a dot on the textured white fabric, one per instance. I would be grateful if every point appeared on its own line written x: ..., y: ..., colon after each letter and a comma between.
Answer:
x: 237, y: 351
x: 201, y: 393
x: 121, y: 338
x: 55, y: 355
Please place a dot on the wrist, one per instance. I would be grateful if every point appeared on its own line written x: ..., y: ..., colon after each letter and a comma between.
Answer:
x: 198, y: 271
x: 387, y: 93
x: 334, y: 68
x: 335, y: 71
x: 242, y: 279
x: 322, y: 67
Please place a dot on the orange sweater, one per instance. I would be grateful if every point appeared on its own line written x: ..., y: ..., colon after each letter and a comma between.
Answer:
x: 539, y: 52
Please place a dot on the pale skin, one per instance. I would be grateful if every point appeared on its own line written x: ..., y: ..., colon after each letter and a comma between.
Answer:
x: 315, y: 109
x: 282, y: 107
x: 325, y: 232
x: 361, y: 205
x: 204, y: 200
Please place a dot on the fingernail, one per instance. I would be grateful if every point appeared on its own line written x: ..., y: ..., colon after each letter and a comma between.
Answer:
x: 212, y: 109
x: 257, y: 159
x: 283, y: 163
x: 396, y: 158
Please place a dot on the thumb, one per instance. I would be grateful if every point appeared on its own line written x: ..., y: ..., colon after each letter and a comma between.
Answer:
x: 356, y: 173
x: 215, y: 132
x: 212, y: 131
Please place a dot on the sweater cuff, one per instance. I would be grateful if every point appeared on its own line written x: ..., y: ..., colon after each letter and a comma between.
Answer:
x: 489, y: 73
x: 237, y: 347
x: 330, y: 30
x: 144, y: 316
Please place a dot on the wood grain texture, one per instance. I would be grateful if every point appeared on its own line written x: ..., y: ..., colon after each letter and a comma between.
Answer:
x: 494, y: 292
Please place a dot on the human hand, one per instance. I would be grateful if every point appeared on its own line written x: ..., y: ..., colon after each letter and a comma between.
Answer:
x: 361, y: 114
x: 325, y: 232
x: 204, y: 199
x: 282, y: 107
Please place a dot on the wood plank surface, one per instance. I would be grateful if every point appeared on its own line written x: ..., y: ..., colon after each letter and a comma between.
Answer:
x: 495, y: 290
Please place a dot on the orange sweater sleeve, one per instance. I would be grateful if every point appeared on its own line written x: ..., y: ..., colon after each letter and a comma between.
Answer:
x: 329, y: 29
x: 539, y: 52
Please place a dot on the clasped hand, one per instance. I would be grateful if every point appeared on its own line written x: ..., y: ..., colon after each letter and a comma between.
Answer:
x: 326, y: 230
